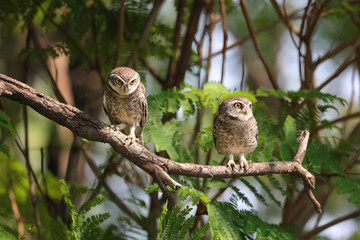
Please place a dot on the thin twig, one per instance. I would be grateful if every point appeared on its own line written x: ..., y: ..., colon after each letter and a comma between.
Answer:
x: 341, y: 119
x: 301, y: 38
x: 176, y: 42
x: 340, y: 69
x: 14, y: 205
x: 242, y: 40
x: 335, y: 51
x: 146, y: 32
x: 120, y: 33
x: 119, y: 203
x: 211, y: 29
x: 66, y: 34
x: 224, y: 26
x: 26, y: 147
x: 330, y: 224
x: 256, y: 45
x: 94, y: 31
x: 184, y: 59
x: 242, y: 80
x: 54, y: 85
x: 285, y: 18
x: 351, y: 103
x: 152, y: 71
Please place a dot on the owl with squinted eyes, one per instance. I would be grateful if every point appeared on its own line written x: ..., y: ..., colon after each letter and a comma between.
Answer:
x: 125, y: 102
x: 235, y: 131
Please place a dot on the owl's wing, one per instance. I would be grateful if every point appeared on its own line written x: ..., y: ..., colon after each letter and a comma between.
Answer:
x: 214, y: 129
x: 144, y: 107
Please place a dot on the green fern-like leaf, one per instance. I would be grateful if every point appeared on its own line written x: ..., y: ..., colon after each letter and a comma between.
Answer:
x: 90, y: 229
x: 175, y: 224
x: 254, y: 191
x: 90, y: 204
x: 267, y: 190
x: 5, y: 235
x: 163, y: 219
x: 351, y: 186
x: 197, y: 195
x: 221, y: 220
x: 80, y: 227
x: 239, y: 195
x: 205, y: 138
x: 217, y: 183
x: 227, y: 222
x: 152, y: 188
x: 5, y: 122
x: 199, y: 232
x: 185, y: 227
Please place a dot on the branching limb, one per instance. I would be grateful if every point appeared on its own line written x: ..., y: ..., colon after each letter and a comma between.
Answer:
x: 146, y: 32
x: 256, y: 45
x: 330, y: 224
x: 90, y: 128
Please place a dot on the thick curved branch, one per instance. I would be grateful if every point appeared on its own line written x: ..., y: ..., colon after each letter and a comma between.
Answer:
x: 90, y: 128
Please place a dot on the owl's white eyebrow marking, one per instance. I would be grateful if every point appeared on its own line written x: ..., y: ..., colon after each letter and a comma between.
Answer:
x: 134, y: 77
x: 117, y: 76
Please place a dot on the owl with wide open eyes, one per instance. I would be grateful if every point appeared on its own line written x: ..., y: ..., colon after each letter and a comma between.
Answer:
x: 235, y: 131
x: 125, y: 102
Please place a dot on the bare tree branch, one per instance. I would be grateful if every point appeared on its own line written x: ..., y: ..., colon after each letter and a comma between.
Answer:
x: 242, y: 40
x: 224, y: 26
x: 14, y: 205
x: 146, y: 32
x: 184, y: 59
x: 330, y: 224
x: 66, y: 34
x: 256, y: 45
x: 120, y: 33
x: 335, y: 51
x: 285, y: 18
x: 90, y: 128
x: 176, y: 41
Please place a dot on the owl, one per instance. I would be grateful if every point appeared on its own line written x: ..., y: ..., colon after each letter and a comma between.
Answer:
x: 125, y: 102
x: 235, y: 131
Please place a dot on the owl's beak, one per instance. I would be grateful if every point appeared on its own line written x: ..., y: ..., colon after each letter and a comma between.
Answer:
x: 125, y: 90
x: 247, y: 113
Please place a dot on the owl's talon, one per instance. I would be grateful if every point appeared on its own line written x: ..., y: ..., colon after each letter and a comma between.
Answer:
x: 231, y: 164
x: 132, y: 138
x: 115, y: 128
x: 243, y: 164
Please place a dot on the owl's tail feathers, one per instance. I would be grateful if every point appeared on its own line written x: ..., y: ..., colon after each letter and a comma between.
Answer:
x: 141, y: 138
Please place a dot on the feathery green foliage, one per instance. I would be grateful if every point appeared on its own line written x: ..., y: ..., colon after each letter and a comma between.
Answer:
x: 176, y: 224
x: 227, y: 222
x: 83, y: 227
x: 5, y: 235
x: 348, y: 185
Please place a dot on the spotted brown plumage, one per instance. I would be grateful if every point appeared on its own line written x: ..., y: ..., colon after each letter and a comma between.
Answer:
x: 124, y: 101
x: 235, y: 130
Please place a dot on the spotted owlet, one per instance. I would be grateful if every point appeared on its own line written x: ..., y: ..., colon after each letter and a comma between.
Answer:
x: 235, y: 130
x: 125, y: 101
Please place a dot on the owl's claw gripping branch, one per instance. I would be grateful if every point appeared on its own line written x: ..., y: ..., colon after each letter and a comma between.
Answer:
x: 92, y: 129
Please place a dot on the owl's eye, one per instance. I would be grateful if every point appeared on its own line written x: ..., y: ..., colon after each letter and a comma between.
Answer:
x: 250, y: 105
x: 132, y: 82
x: 118, y: 81
x: 238, y: 105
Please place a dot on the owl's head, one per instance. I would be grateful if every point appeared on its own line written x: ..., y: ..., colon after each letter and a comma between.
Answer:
x: 123, y: 80
x: 236, y: 108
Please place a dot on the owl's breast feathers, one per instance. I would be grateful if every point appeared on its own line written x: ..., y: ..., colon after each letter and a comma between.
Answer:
x: 127, y: 109
x: 235, y: 136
